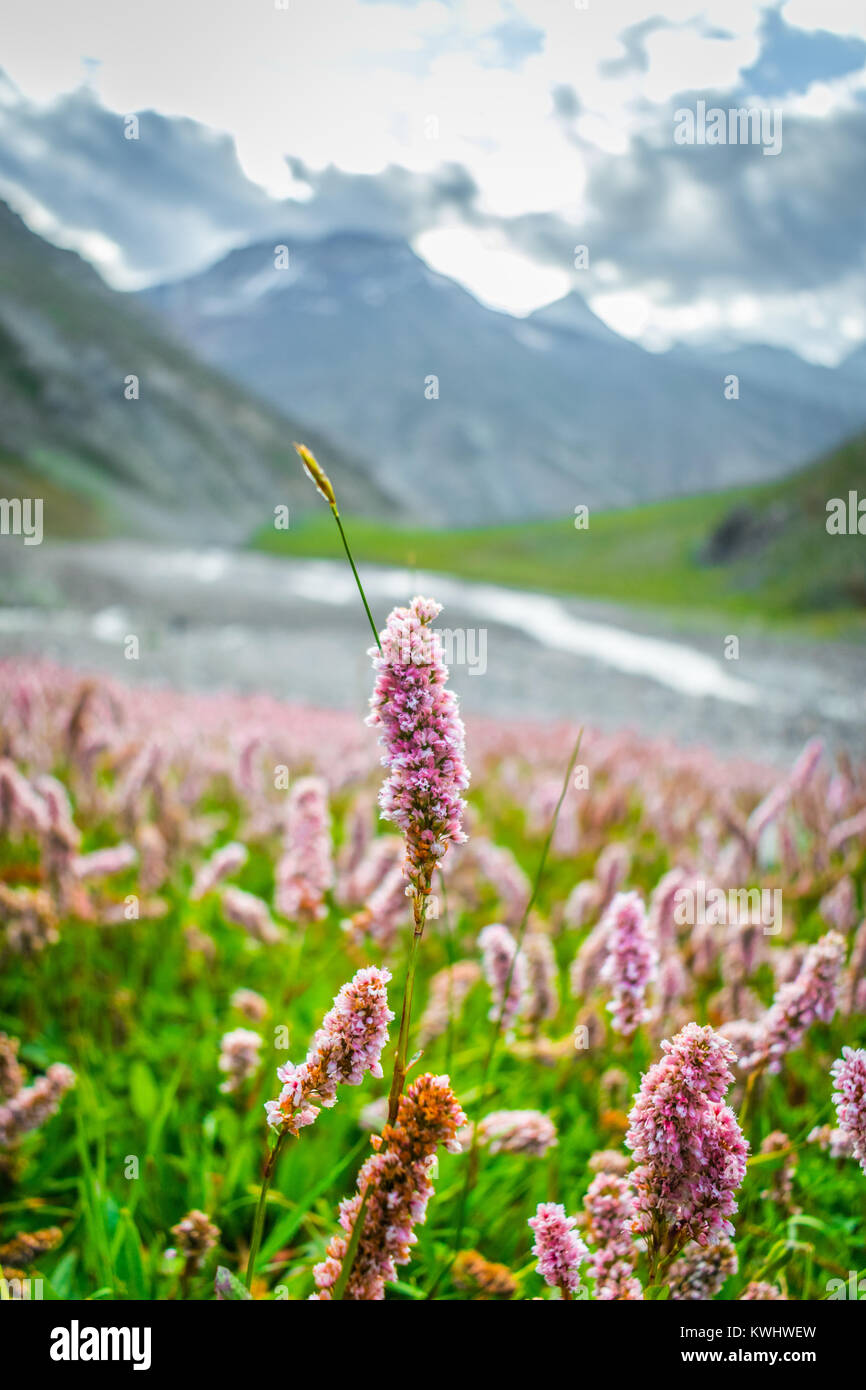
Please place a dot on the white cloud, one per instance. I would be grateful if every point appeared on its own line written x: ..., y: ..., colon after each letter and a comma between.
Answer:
x: 499, y: 277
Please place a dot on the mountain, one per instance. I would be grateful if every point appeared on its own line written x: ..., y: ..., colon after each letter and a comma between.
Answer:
x: 779, y: 372
x: 194, y: 456
x: 533, y: 416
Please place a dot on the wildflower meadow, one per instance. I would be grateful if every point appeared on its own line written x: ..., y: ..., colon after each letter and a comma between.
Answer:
x: 302, y: 1005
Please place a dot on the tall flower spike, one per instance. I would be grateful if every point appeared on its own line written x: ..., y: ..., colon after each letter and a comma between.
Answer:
x: 448, y: 992
x: 222, y: 864
x: 306, y: 871
x: 849, y: 1098
x: 504, y: 971
x: 700, y: 1271
x: 812, y: 996
x: 688, y: 1146
x: 559, y: 1250
x: 347, y: 1046
x: 422, y: 736
x: 34, y: 1104
x: 631, y: 962
x: 239, y: 1057
x: 518, y: 1132
x: 394, y: 1188
x: 609, y: 1205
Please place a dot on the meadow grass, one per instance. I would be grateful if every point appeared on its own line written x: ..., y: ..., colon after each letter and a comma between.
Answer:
x: 138, y: 1012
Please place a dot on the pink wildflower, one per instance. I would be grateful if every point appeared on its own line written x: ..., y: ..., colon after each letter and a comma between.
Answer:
x: 250, y: 1004
x: 560, y: 1251
x: 505, y: 972
x: 609, y: 1205
x: 423, y: 739
x: 839, y: 906
x: 688, y: 1146
x: 775, y: 802
x: 239, y: 1057
x: 854, y: 828
x: 631, y: 962
x: 759, y: 1290
x: 542, y: 985
x: 246, y: 910
x: 448, y: 991
x: 347, y: 1046
x: 102, y: 863
x: 518, y: 1132
x: 812, y: 996
x: 195, y: 1235
x: 849, y: 1074
x: 34, y: 1104
x: 221, y: 865
x: 700, y: 1271
x: 385, y: 911
x: 397, y: 1186
x: 306, y: 871
x: 499, y: 866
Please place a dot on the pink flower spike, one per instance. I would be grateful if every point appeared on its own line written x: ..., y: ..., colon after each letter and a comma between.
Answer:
x: 849, y: 1098
x: 559, y: 1250
x: 422, y: 737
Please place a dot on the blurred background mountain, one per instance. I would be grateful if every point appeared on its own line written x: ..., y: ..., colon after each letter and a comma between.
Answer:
x: 533, y: 415
x: 195, y: 456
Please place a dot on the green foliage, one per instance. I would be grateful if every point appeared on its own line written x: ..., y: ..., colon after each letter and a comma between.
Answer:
x: 138, y: 1011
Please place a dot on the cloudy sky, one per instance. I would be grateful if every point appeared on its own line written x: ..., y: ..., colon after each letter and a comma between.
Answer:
x: 497, y: 135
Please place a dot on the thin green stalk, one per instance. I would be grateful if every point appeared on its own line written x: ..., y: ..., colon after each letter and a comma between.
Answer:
x: 341, y: 1285
x: 357, y: 578
x: 751, y: 1087
x: 324, y: 486
x: 400, y: 1056
x: 449, y: 948
x: 259, y: 1222
x: 472, y: 1165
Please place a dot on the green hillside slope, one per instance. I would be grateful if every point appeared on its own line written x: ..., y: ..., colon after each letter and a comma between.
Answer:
x: 762, y: 551
x: 195, y: 456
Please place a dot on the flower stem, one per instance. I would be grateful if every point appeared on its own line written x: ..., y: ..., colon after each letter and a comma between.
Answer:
x: 339, y: 1292
x: 325, y: 488
x: 751, y: 1085
x: 357, y: 576
x: 259, y: 1222
x: 399, y: 1076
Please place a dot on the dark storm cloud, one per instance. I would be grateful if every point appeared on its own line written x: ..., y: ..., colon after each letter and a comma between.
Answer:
x: 161, y: 198
x: 792, y: 222
x: 177, y: 197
